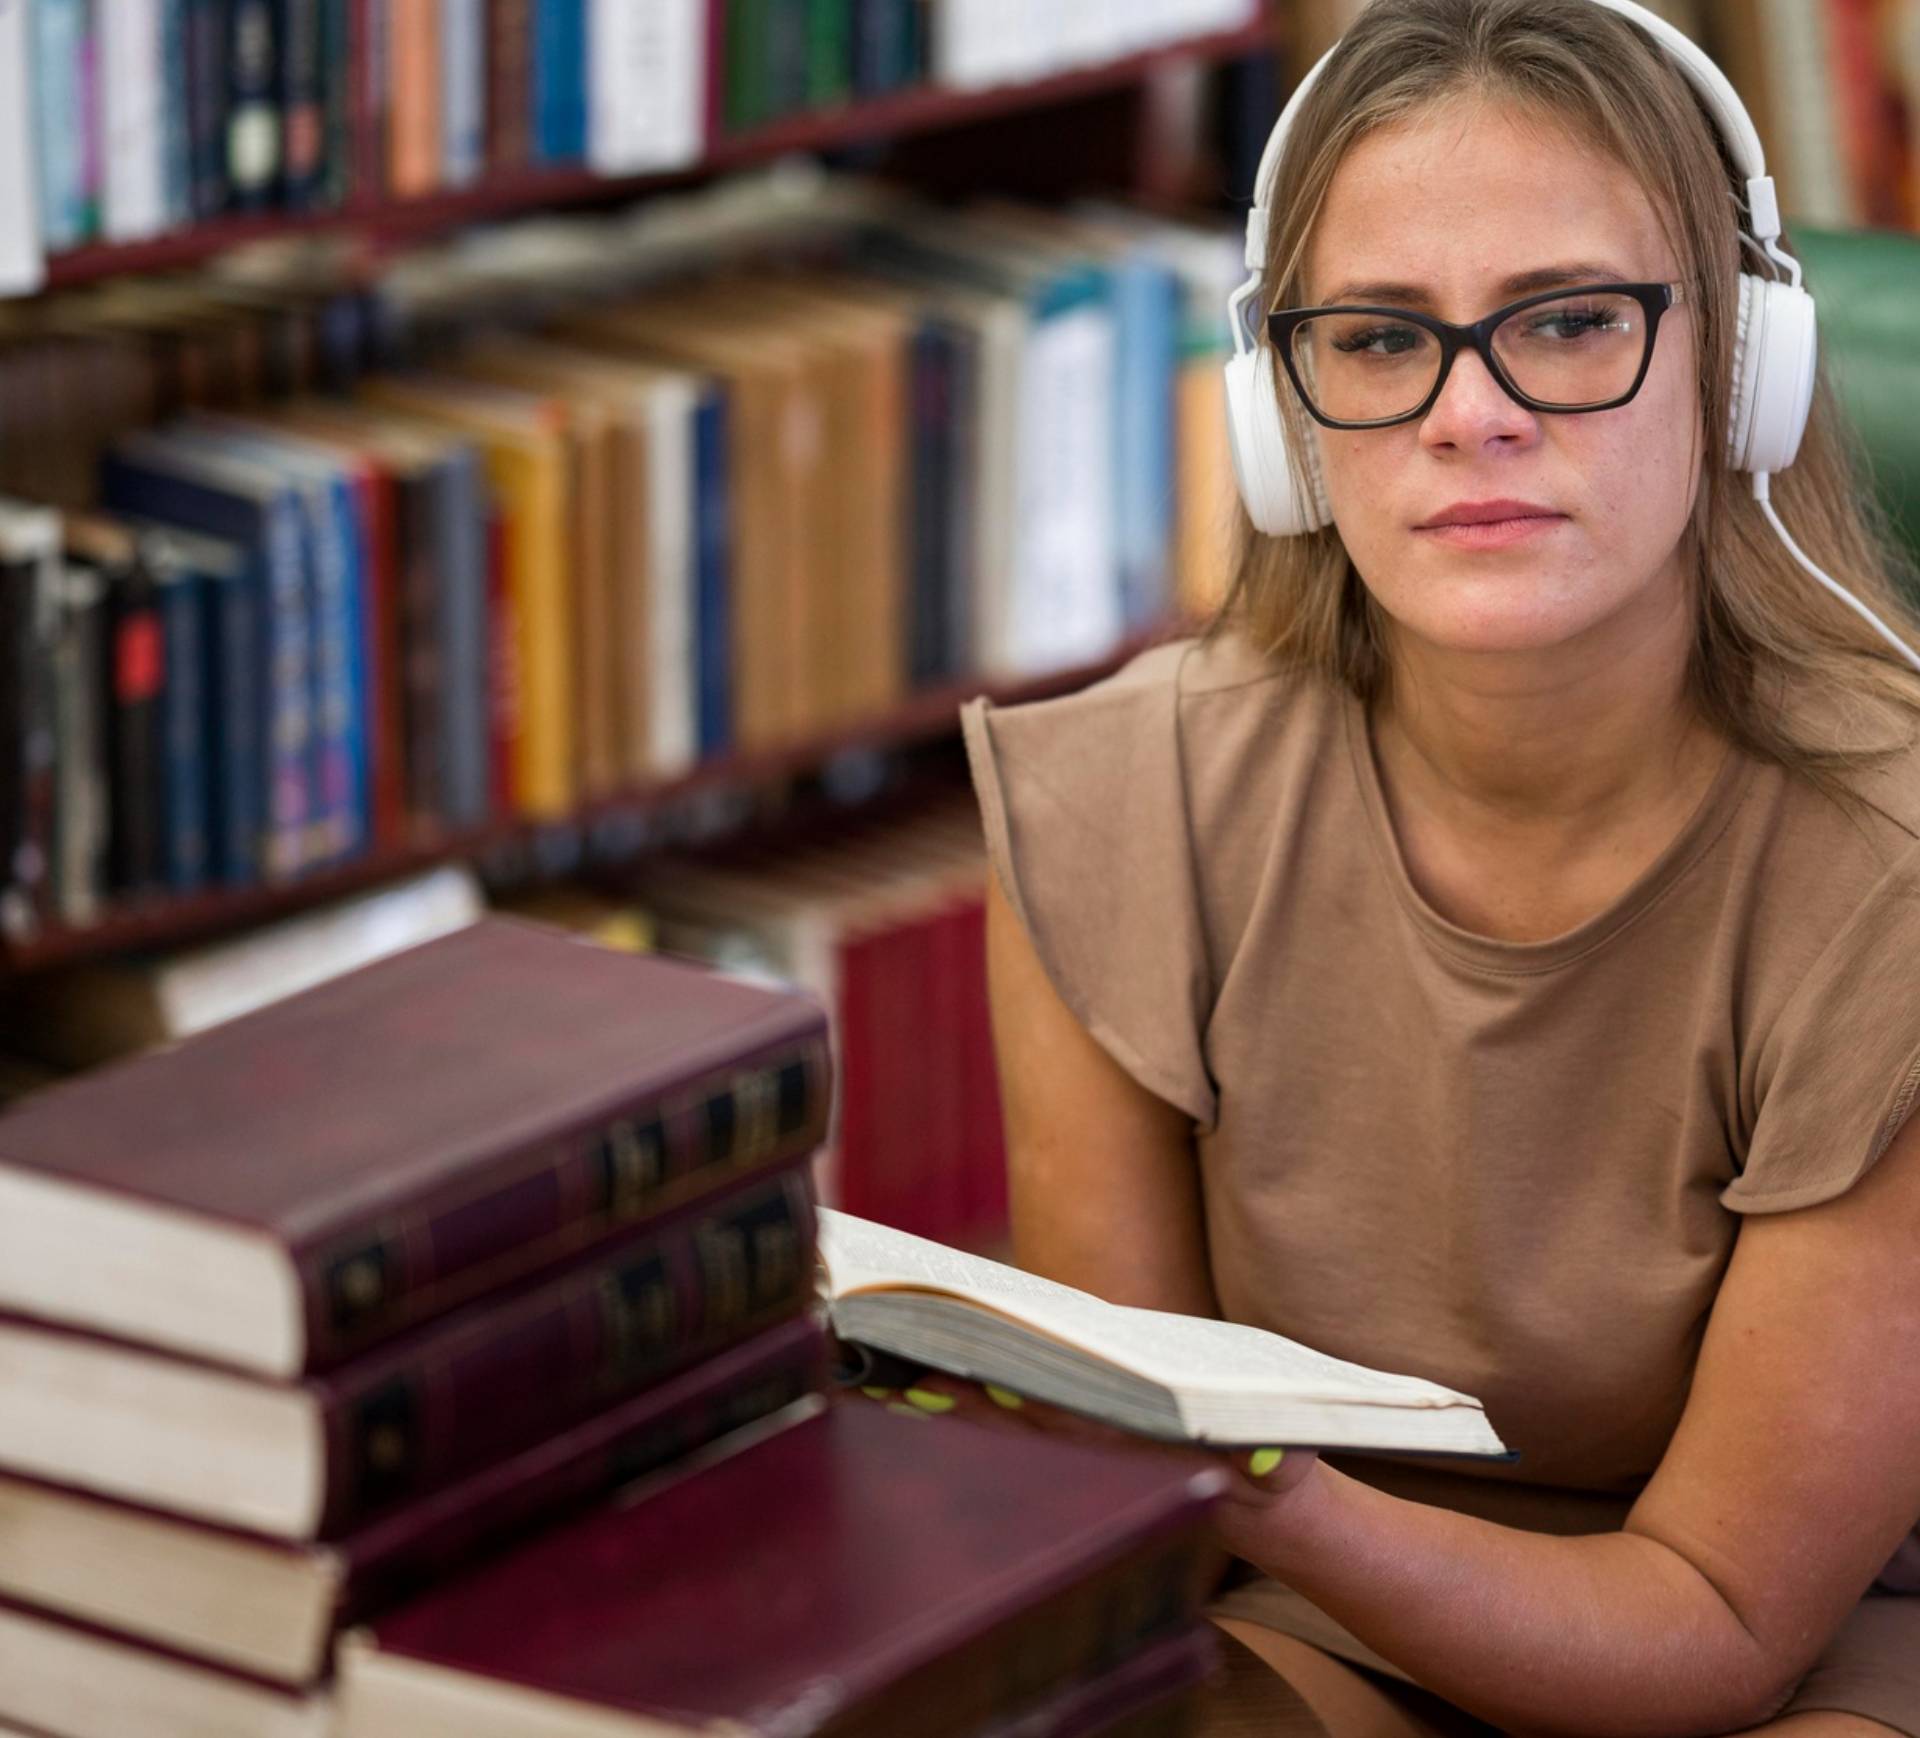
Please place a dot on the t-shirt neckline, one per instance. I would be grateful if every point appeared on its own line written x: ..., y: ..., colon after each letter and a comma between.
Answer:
x: 1705, y: 825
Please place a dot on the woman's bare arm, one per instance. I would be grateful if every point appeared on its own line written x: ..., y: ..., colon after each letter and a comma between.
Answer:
x: 1105, y: 1183
x: 1790, y: 1480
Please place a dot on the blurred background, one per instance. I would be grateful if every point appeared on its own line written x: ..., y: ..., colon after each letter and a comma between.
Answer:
x: 575, y: 456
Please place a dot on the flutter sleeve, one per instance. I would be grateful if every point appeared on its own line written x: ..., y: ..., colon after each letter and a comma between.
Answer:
x: 1839, y: 1070
x: 1085, y: 813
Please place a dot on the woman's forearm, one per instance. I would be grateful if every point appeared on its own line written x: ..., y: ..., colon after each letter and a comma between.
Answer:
x: 1603, y: 1634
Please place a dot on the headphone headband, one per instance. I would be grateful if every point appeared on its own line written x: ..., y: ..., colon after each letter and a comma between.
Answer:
x: 1722, y: 100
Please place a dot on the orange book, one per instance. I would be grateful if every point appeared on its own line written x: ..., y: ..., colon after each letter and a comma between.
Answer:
x: 413, y: 67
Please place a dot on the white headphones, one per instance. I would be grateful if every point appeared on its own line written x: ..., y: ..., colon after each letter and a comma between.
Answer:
x: 1774, y: 346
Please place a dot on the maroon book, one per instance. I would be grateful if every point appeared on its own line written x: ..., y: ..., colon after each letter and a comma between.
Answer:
x: 287, y: 1190
x: 268, y: 1609
x: 1148, y: 1696
x: 317, y: 1459
x: 860, y: 1574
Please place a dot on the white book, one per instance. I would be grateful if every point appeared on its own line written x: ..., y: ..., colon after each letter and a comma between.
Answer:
x: 1066, y: 606
x: 463, y: 91
x: 133, y: 153
x: 647, y: 73
x: 22, y: 264
x: 1153, y: 1372
x: 61, y: 1679
x: 673, y: 626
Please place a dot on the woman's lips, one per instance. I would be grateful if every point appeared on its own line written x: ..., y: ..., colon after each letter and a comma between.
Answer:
x: 1493, y: 533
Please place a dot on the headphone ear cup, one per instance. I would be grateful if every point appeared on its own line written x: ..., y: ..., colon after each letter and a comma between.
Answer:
x: 1775, y: 349
x: 1257, y: 434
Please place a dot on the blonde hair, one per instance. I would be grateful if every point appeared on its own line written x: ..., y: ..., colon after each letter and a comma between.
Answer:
x: 1778, y: 665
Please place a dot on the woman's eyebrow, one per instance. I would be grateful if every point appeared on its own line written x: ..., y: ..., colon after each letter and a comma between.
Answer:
x: 1552, y: 277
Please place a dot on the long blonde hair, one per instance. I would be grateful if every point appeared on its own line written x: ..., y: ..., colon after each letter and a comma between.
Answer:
x: 1779, y: 665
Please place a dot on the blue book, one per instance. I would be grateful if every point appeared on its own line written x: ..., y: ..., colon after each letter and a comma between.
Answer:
x: 713, y: 545
x: 60, y: 49
x: 460, y: 496
x: 157, y: 475
x: 560, y: 80
x: 340, y: 562
x: 177, y: 115
x: 185, y: 821
x: 1146, y: 301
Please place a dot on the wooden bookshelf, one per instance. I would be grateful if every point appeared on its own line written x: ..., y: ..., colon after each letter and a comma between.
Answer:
x: 388, y: 220
x: 164, y: 920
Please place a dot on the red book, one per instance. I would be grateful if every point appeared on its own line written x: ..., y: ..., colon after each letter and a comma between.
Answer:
x: 300, y: 1184
x: 859, y: 1575
x: 269, y: 1609
x: 316, y: 1459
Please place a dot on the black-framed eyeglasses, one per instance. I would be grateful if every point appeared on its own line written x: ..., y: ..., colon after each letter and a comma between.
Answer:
x: 1586, y: 348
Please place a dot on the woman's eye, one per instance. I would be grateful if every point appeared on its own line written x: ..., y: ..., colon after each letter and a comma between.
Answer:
x: 1379, y: 341
x: 1566, y: 323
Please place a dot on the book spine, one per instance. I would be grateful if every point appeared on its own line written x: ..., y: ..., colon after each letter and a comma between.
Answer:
x: 235, y: 625
x: 59, y: 47
x: 509, y: 101
x: 337, y: 99
x: 1155, y: 1590
x: 183, y: 729
x: 462, y: 1396
x: 176, y: 115
x: 80, y: 853
x: 462, y: 619
x: 207, y: 88
x: 428, y: 1540
x: 559, y: 80
x: 253, y: 109
x: 578, y: 1190
x: 463, y: 48
x: 713, y: 631
x: 302, y: 101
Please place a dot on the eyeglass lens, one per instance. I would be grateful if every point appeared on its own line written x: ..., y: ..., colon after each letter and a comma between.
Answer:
x: 1573, y: 351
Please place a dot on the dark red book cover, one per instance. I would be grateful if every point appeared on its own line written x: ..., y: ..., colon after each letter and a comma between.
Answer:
x: 476, y: 1387
x: 1144, y: 1697
x: 986, y: 1158
x: 442, y: 1122
x: 861, y: 1573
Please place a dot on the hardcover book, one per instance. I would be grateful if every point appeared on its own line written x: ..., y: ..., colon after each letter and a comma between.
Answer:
x: 860, y: 1574
x: 290, y: 1188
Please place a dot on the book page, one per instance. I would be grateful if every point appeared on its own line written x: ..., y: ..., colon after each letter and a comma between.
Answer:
x: 1185, y: 1353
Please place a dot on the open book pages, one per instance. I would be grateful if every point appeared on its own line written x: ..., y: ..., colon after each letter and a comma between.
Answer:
x: 1180, y: 1378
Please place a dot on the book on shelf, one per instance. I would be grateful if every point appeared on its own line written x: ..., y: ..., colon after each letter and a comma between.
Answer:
x: 1151, y: 1372
x: 891, y: 1573
x: 268, y: 1608
x: 444, y: 1120
x: 22, y: 259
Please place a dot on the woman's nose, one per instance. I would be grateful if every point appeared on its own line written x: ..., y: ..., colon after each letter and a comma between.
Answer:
x: 1474, y: 408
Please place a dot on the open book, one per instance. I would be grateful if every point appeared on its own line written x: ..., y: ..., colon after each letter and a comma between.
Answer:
x: 1178, y: 1378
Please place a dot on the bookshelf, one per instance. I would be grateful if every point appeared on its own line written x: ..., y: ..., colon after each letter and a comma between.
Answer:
x: 1099, y: 112
x: 162, y: 921
x: 512, y: 192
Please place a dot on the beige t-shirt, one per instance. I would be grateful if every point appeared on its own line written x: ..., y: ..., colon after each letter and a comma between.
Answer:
x: 1515, y: 1168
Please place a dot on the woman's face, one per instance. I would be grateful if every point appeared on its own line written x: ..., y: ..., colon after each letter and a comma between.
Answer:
x: 1461, y: 210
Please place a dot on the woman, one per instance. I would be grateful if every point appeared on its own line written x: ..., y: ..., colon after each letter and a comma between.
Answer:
x: 1490, y: 953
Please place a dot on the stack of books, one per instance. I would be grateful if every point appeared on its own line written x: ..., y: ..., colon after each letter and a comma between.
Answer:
x: 466, y: 1305
x: 303, y: 1310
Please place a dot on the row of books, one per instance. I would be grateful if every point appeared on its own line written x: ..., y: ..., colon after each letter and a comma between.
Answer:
x: 1833, y: 87
x: 139, y: 117
x: 895, y: 448
x: 465, y: 1304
